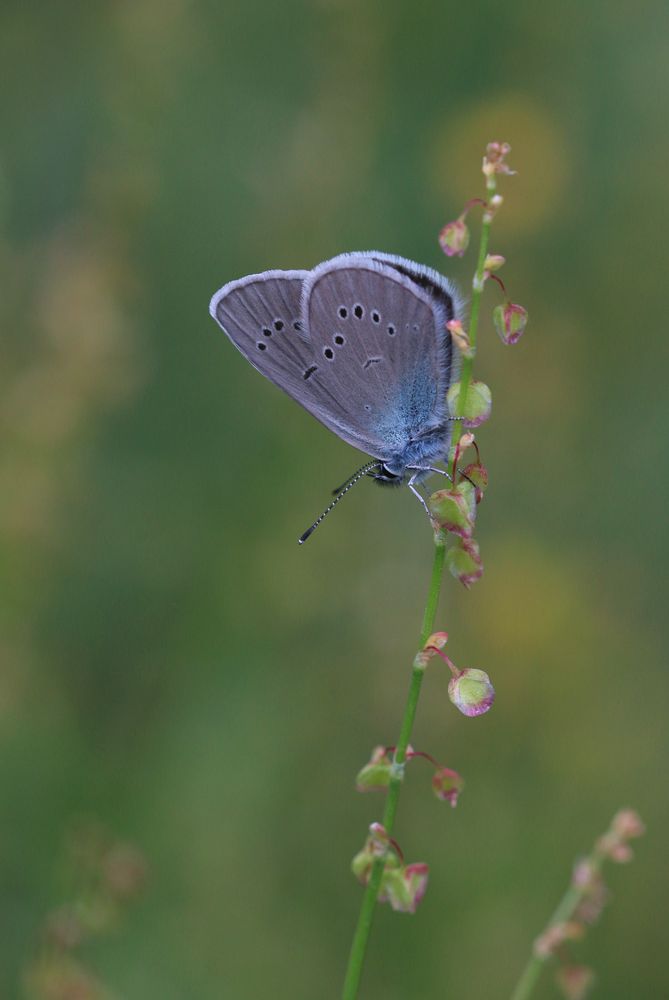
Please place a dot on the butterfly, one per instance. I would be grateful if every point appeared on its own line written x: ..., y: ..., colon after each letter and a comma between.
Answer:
x: 361, y: 342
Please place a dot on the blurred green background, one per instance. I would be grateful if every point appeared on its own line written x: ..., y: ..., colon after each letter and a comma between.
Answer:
x: 173, y: 665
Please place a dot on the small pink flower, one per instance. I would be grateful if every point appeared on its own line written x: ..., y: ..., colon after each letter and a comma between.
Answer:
x: 510, y: 321
x: 416, y: 876
x: 454, y: 509
x: 575, y: 981
x: 454, y: 237
x: 494, y: 161
x: 464, y: 562
x: 447, y: 785
x: 628, y: 824
x: 471, y: 691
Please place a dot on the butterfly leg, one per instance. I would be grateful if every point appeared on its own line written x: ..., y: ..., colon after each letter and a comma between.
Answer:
x: 428, y: 468
x: 418, y: 496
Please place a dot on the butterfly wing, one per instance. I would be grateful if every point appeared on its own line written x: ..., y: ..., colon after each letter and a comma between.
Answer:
x: 382, y: 350
x: 261, y: 315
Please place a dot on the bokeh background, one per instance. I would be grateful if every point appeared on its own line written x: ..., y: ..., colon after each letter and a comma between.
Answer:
x: 173, y: 665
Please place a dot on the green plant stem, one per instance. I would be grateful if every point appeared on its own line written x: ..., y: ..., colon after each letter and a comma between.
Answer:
x: 477, y: 291
x: 564, y: 912
x: 368, y: 906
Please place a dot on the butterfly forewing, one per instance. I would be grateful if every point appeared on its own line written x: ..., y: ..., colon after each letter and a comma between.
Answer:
x: 261, y: 316
x: 383, y: 351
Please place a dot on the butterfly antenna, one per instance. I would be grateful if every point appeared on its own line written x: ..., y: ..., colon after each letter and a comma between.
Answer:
x: 339, y: 493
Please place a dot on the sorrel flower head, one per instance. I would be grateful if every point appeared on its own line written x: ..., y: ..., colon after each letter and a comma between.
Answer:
x: 447, y: 785
x: 478, y: 403
x: 455, y: 509
x: 510, y: 321
x: 464, y: 562
x: 454, y: 237
x: 471, y: 691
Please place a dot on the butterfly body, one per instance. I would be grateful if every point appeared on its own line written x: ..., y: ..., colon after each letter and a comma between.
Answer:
x: 361, y: 342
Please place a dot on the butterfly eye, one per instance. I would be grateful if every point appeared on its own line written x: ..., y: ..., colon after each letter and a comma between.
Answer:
x: 329, y: 353
x: 375, y: 317
x: 278, y: 324
x: 297, y: 325
x: 358, y: 311
x: 338, y: 339
x: 261, y: 345
x: 266, y: 331
x: 343, y: 312
x: 391, y: 330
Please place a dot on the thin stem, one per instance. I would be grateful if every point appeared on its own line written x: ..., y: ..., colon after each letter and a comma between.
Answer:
x: 364, y: 925
x: 477, y: 290
x: 564, y: 911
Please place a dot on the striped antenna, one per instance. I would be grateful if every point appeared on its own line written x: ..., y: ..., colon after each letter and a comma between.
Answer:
x: 339, y: 493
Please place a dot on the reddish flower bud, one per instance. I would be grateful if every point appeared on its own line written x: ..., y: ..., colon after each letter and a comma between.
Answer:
x: 574, y: 981
x: 376, y: 845
x: 404, y: 887
x: 454, y: 509
x: 510, y: 321
x: 434, y: 643
x: 471, y: 691
x: 478, y: 403
x: 464, y: 562
x: 454, y: 237
x: 615, y: 849
x: 478, y: 474
x: 627, y: 824
x: 437, y: 640
x: 447, y: 785
x: 378, y: 838
x: 375, y: 775
x: 555, y: 936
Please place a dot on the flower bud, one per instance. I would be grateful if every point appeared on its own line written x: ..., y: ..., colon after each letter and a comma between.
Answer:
x: 494, y: 160
x: 404, y: 887
x: 362, y: 865
x: 574, y: 981
x: 627, y: 824
x: 376, y: 845
x: 555, y: 936
x: 447, y: 785
x: 454, y: 509
x: 460, y: 338
x: 478, y: 474
x: 464, y: 562
x: 493, y: 262
x: 510, y: 321
x: 454, y: 237
x: 612, y: 847
x: 375, y: 775
x: 471, y: 691
x: 378, y: 839
x: 478, y: 403
x: 434, y: 643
